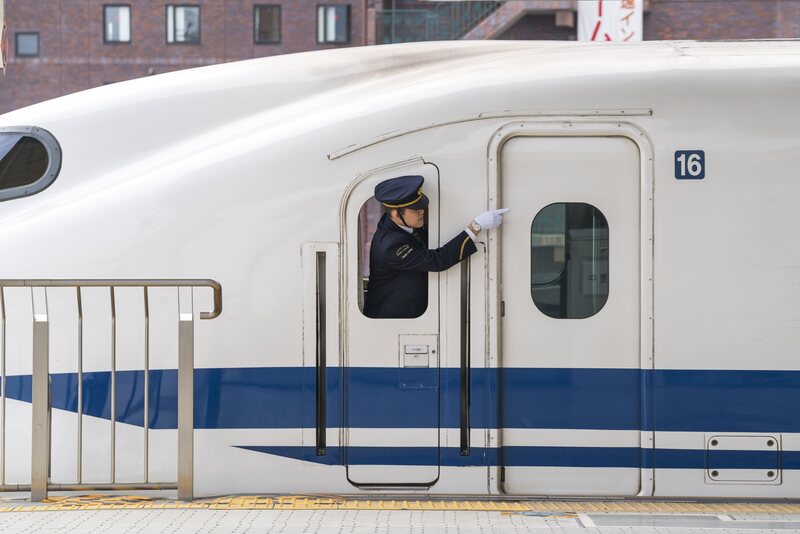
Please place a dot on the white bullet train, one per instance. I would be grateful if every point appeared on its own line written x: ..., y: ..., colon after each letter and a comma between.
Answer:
x: 632, y: 330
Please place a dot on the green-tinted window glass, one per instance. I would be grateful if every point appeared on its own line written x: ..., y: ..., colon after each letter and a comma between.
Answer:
x: 569, y: 260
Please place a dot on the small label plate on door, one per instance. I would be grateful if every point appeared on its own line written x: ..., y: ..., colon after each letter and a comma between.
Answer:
x: 416, y: 360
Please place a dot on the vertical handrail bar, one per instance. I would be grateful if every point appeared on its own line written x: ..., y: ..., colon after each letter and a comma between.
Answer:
x: 3, y: 387
x: 185, y: 402
x: 113, y: 385
x: 322, y: 357
x: 40, y: 424
x: 464, y: 374
x: 146, y: 386
x: 80, y: 384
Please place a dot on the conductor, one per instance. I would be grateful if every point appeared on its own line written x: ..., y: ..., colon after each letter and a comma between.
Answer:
x: 400, y: 258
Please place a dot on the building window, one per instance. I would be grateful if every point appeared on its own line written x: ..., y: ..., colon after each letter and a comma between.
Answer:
x: 30, y: 159
x: 267, y: 24
x: 333, y: 24
x: 27, y: 44
x: 183, y: 24
x: 117, y: 24
x: 569, y: 260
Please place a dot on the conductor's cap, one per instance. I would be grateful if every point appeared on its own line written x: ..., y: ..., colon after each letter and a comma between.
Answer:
x: 402, y: 192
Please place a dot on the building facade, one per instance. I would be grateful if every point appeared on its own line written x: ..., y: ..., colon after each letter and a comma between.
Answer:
x: 670, y: 19
x: 58, y: 47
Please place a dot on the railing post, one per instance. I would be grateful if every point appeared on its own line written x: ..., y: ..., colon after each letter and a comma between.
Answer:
x: 185, y: 396
x: 146, y: 385
x: 41, y: 402
x: 40, y: 388
x: 113, y: 465
x: 3, y: 387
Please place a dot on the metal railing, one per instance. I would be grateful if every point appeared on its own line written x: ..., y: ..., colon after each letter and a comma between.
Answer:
x: 442, y: 22
x: 41, y: 383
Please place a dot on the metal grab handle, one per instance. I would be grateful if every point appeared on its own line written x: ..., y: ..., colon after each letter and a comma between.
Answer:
x: 464, y: 371
x: 321, y: 378
x: 157, y: 282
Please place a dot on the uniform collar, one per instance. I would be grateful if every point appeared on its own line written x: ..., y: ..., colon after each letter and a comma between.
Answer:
x: 406, y: 228
x: 389, y: 224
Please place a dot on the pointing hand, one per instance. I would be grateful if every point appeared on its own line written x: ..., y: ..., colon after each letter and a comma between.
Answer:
x: 491, y: 219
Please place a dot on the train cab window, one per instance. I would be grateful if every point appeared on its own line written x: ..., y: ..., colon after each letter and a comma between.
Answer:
x: 569, y: 260
x: 29, y: 161
x: 368, y: 218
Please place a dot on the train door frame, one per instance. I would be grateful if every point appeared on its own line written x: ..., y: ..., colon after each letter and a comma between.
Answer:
x: 358, y: 439
x: 581, y: 128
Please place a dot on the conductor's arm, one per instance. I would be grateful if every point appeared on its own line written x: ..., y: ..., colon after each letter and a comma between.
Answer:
x: 408, y: 258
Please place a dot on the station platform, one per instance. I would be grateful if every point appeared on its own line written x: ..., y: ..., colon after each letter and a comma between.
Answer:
x: 160, y: 512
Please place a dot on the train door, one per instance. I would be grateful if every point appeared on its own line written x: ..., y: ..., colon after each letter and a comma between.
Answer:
x: 391, y: 374
x: 570, y: 333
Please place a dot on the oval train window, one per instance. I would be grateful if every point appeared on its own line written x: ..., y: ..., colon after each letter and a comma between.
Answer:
x: 569, y: 260
x: 30, y: 159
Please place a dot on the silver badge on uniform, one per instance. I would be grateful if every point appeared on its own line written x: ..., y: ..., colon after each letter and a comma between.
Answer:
x: 404, y: 251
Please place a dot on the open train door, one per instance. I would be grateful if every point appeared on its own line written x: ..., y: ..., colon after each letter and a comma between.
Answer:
x: 571, y: 339
x: 391, y: 373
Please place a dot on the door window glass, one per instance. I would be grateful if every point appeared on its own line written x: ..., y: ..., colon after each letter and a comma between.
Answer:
x: 569, y: 260
x: 369, y: 215
x: 371, y: 212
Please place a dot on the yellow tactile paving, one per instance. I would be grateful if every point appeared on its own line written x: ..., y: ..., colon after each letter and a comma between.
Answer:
x: 258, y: 502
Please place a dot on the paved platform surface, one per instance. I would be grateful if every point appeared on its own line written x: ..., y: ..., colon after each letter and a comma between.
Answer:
x: 165, y: 500
x: 131, y: 514
x: 187, y: 520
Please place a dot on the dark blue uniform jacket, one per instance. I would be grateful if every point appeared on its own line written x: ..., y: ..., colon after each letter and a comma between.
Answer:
x: 398, y: 267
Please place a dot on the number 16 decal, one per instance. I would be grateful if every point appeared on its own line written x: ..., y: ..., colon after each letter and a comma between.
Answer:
x: 690, y: 164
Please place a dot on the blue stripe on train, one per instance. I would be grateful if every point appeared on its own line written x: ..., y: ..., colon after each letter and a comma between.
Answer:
x: 605, y: 399
x: 632, y: 457
x: 97, y: 395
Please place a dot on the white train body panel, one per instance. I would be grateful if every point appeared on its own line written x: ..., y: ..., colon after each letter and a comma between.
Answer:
x: 242, y: 173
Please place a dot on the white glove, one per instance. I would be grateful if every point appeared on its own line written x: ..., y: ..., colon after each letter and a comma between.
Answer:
x: 491, y: 219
